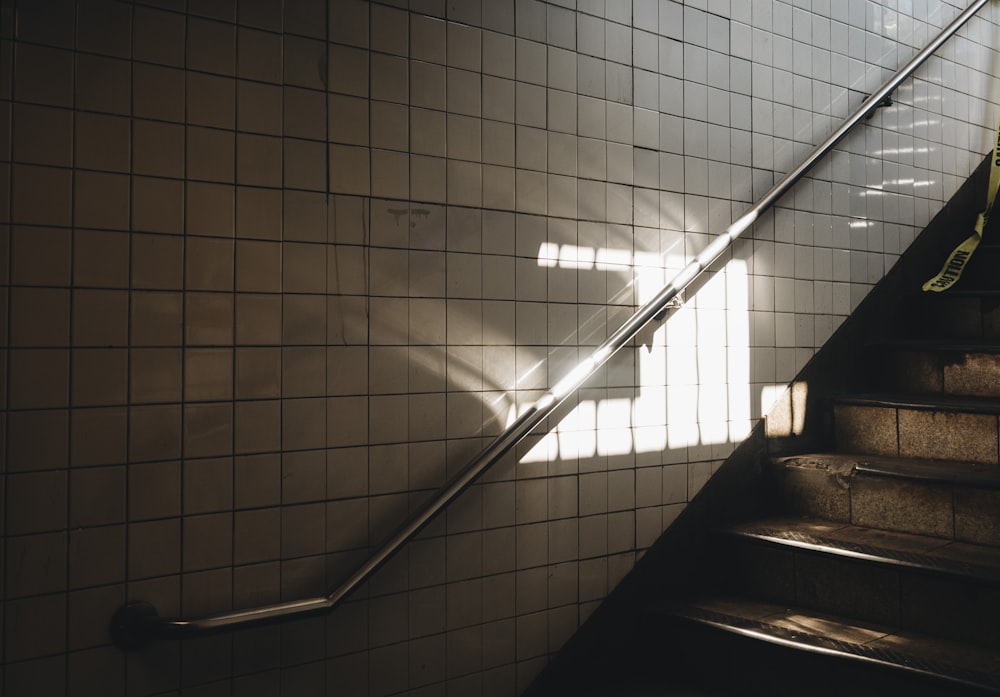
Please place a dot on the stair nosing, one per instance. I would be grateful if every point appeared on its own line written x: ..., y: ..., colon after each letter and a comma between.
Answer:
x: 961, y: 473
x: 883, y: 556
x: 923, y: 402
x: 907, y: 662
x: 960, y: 478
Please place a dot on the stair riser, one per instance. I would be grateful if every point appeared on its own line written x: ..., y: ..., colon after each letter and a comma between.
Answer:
x: 944, y: 606
x: 903, y: 432
x: 967, y: 374
x: 951, y: 316
x: 950, y: 512
x: 728, y: 664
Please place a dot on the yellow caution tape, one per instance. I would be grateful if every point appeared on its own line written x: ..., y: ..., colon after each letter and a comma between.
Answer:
x: 952, y: 269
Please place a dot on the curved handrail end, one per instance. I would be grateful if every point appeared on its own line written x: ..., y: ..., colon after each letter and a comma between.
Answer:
x: 131, y: 624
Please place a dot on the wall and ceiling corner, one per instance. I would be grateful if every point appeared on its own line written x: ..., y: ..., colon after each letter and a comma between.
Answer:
x: 269, y: 271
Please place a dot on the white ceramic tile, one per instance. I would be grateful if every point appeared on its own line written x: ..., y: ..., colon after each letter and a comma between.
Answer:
x: 389, y: 78
x: 646, y: 91
x: 427, y: 39
x: 561, y: 27
x: 530, y: 58
x: 464, y: 92
x: 389, y: 30
x: 465, y: 47
x: 591, y: 76
x: 620, y: 123
x: 695, y: 138
x: 695, y: 26
x: 561, y: 67
x: 531, y: 148
x: 671, y: 96
x: 427, y: 85
x: 695, y: 63
x: 645, y: 50
x: 618, y: 43
x: 498, y: 54
x: 718, y: 33
x: 530, y: 105
x: 590, y: 37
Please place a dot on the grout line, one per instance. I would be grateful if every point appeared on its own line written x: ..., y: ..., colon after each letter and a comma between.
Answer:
x: 128, y: 465
x: 183, y: 344
x: 281, y: 566
x: 326, y: 349
x: 70, y: 353
x: 5, y: 430
x: 234, y: 424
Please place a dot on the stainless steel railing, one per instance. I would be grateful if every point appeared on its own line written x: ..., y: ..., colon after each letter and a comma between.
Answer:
x: 136, y: 623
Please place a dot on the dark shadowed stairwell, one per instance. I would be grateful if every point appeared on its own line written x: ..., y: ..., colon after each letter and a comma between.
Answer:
x: 852, y: 544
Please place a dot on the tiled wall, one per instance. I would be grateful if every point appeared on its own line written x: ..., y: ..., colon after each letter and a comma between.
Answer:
x: 269, y: 267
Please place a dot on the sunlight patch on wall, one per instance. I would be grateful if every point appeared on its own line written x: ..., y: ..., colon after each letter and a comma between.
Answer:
x: 708, y: 363
x: 785, y: 407
x: 693, y: 371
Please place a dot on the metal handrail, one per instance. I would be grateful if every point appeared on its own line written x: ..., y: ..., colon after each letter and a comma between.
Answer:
x: 136, y: 623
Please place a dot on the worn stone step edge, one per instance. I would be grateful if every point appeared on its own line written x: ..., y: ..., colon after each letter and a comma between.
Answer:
x: 953, y: 500
x: 785, y: 532
x: 924, y: 402
x: 759, y: 628
x: 936, y: 471
x: 965, y: 473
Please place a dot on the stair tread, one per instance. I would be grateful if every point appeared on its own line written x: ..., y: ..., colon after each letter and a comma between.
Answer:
x: 943, y: 471
x: 830, y: 634
x: 931, y: 554
x: 967, y: 473
x: 924, y: 402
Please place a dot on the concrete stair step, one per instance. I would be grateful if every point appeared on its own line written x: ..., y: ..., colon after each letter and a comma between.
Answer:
x: 932, y: 555
x: 920, y: 583
x: 789, y: 650
x: 919, y: 426
x: 946, y: 499
x: 970, y: 368
x: 956, y: 313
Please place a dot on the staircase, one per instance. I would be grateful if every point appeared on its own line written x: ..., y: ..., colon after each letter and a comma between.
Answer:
x: 879, y: 570
x: 866, y: 560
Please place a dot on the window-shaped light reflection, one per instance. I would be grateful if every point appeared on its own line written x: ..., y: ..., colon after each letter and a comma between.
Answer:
x: 577, y: 432
x: 614, y: 427
x: 693, y: 372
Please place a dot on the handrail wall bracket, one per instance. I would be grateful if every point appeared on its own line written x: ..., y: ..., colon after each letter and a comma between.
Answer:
x: 675, y: 303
